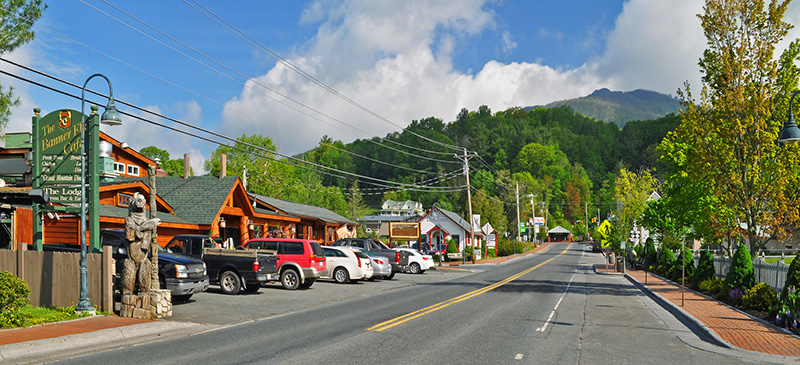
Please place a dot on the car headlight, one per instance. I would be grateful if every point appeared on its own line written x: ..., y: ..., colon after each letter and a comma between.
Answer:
x: 181, y: 271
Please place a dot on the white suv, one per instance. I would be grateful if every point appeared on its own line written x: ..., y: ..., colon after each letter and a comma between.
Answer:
x: 345, y: 264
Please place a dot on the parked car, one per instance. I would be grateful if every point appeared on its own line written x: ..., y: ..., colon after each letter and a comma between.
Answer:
x: 233, y: 271
x: 440, y: 249
x: 184, y: 276
x: 399, y: 260
x: 299, y: 261
x: 345, y: 265
x: 381, y: 267
x: 418, y: 262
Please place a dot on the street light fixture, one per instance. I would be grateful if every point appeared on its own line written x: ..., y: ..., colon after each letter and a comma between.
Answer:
x: 790, y: 132
x: 110, y: 117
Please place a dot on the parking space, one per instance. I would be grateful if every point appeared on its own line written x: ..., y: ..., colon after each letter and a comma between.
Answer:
x: 213, y: 307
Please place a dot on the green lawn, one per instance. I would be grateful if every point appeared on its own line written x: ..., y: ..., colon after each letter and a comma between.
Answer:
x: 787, y: 260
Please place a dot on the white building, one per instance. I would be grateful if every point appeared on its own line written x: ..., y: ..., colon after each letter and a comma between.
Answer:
x: 442, y: 225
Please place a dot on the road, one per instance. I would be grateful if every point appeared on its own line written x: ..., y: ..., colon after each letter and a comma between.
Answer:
x: 544, y: 308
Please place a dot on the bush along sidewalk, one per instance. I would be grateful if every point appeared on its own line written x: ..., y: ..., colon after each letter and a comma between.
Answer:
x: 740, y: 277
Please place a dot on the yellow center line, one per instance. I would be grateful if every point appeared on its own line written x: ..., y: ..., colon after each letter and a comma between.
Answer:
x: 421, y: 312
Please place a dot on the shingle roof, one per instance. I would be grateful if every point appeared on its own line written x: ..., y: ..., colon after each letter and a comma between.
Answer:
x: 559, y: 229
x: 197, y: 199
x: 303, y: 210
x: 121, y: 212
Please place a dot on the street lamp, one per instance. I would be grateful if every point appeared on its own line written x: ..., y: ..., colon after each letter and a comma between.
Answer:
x: 109, y: 117
x: 790, y: 132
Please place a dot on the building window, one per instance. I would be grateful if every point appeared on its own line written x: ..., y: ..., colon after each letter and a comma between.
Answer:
x: 119, y: 168
x: 133, y: 170
x: 124, y: 199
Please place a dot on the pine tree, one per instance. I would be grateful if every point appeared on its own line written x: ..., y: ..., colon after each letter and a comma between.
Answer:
x: 741, y: 274
x: 705, y: 269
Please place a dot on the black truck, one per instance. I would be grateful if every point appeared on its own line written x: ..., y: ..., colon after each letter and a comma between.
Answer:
x: 399, y: 259
x: 184, y: 276
x: 232, y: 270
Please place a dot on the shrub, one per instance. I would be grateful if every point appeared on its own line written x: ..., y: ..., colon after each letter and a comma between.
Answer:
x: 452, y: 247
x: 790, y: 308
x: 677, y: 270
x: 505, y: 247
x: 760, y: 297
x: 712, y: 286
x: 468, y: 251
x: 650, y: 253
x: 435, y: 257
x: 13, y: 296
x: 665, y: 260
x: 741, y: 274
x: 705, y: 269
x: 792, y: 277
x: 13, y: 292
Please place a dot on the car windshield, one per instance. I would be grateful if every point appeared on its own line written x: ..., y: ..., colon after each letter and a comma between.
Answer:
x: 369, y: 253
x: 361, y: 255
x: 381, y: 244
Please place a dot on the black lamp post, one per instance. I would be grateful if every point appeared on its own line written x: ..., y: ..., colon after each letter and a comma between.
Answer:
x: 109, y: 117
x: 790, y: 132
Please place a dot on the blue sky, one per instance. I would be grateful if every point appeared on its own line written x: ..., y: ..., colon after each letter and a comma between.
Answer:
x: 402, y: 60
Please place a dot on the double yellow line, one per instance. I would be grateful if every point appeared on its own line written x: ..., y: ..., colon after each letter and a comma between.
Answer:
x: 419, y: 313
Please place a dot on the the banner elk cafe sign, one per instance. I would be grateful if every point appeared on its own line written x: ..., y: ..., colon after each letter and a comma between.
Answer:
x: 60, y: 151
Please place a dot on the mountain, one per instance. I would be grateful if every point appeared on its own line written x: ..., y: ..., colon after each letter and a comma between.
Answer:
x: 621, y: 107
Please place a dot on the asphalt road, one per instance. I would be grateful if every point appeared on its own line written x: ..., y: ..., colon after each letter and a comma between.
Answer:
x: 546, y: 308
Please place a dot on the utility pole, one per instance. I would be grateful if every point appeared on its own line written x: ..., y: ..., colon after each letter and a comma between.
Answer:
x: 519, y: 229
x: 466, y: 158
x: 533, y: 213
x: 586, y: 217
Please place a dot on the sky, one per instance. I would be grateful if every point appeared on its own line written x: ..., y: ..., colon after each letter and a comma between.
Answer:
x: 296, y: 71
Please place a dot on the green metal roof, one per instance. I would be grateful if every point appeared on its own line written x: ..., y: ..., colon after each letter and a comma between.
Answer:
x: 303, y: 210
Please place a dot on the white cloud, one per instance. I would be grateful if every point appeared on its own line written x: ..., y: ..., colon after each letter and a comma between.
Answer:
x: 508, y: 42
x: 395, y: 59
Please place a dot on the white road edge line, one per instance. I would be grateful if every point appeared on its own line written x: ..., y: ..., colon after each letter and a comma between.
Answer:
x: 543, y: 327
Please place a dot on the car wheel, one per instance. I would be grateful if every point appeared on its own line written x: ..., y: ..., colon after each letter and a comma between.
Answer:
x: 229, y: 283
x: 252, y: 288
x: 340, y: 275
x: 290, y: 279
x: 414, y: 268
x: 390, y: 276
x: 181, y: 298
x: 307, y: 284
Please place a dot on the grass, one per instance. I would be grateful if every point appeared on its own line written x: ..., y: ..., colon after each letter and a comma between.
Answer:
x: 787, y: 260
x: 30, y: 316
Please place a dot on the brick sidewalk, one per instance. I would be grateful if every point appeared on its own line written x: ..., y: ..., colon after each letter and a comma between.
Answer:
x: 735, y: 327
x: 58, y: 329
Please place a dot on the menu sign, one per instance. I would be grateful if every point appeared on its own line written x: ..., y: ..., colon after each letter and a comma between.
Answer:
x: 60, y: 147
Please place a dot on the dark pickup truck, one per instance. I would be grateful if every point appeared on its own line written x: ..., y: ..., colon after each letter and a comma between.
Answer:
x: 232, y: 270
x: 398, y: 259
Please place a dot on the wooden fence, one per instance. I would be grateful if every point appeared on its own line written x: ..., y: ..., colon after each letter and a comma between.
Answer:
x: 54, y: 277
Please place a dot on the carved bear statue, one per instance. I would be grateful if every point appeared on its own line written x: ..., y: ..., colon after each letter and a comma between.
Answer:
x: 138, y: 231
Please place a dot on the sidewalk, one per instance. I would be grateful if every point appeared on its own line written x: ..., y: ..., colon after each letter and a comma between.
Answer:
x: 729, y: 324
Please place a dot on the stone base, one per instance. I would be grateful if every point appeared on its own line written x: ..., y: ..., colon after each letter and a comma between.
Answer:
x: 154, y: 305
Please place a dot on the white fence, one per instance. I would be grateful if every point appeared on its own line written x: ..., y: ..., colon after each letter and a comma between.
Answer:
x: 773, y: 274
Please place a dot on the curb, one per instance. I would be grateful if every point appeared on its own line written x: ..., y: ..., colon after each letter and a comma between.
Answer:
x: 69, y: 346
x: 684, y: 317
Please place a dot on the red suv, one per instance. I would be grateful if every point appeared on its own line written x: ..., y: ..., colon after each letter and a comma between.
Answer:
x: 299, y: 261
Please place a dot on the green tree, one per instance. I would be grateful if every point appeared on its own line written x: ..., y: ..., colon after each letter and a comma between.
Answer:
x: 172, y: 167
x: 792, y: 277
x: 726, y: 142
x: 631, y: 191
x: 16, y: 28
x: 356, y: 208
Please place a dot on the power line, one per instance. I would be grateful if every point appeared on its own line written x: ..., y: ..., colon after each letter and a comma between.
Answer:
x: 244, y: 84
x: 219, y: 20
x: 374, y: 181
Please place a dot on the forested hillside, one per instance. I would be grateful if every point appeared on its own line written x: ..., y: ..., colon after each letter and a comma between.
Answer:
x: 622, y: 107
x: 562, y: 157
